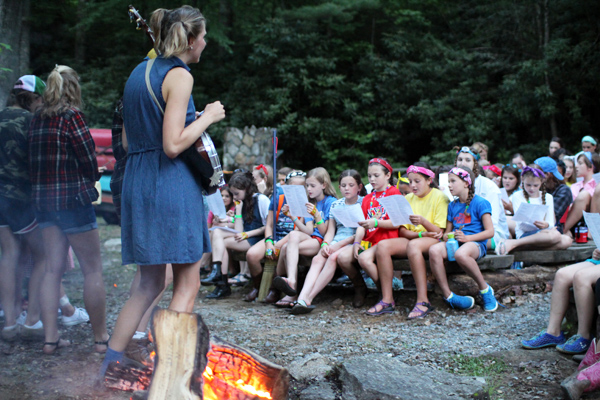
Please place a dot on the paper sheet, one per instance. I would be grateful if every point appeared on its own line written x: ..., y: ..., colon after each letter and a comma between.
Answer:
x: 504, y: 194
x: 397, y: 208
x: 216, y: 205
x: 296, y: 198
x: 349, y: 216
x: 592, y: 220
x: 527, y: 214
x: 443, y: 183
x: 226, y: 229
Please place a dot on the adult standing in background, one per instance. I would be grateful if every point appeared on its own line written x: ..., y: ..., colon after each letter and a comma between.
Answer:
x: 63, y: 171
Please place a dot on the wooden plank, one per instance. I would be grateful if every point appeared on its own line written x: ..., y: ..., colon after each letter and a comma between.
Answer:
x: 488, y: 263
x: 576, y: 253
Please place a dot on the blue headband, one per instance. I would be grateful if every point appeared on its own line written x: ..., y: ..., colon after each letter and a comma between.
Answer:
x: 589, y: 139
x: 466, y: 149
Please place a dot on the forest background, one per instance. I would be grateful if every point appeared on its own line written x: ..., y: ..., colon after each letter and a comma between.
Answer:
x: 345, y: 80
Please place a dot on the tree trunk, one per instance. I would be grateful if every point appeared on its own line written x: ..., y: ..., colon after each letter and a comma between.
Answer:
x: 14, y: 32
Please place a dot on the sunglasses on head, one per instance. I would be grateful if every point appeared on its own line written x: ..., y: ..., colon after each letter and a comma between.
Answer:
x: 466, y: 149
x: 514, y: 166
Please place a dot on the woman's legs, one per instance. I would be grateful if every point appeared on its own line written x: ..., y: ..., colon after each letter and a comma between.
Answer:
x: 143, y: 325
x: 417, y: 248
x: 316, y: 267
x: 582, y: 203
x: 36, y: 245
x: 86, y: 246
x: 549, y: 239
x: 583, y: 287
x: 437, y: 255
x: 385, y: 266
x: 563, y: 280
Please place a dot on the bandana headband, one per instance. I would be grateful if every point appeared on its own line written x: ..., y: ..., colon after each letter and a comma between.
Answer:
x: 294, y: 174
x: 420, y: 170
x: 462, y: 174
x: 465, y: 149
x: 494, y: 169
x: 538, y: 173
x: 261, y: 166
x: 589, y: 139
x: 385, y: 164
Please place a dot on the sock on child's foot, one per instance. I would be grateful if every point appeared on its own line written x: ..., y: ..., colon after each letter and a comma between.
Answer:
x: 139, y: 335
x: 451, y: 294
x: 110, y: 356
x: 484, y: 291
x: 64, y: 301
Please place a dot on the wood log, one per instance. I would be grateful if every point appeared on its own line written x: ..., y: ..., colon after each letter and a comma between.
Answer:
x: 267, y: 279
x: 464, y: 285
x: 181, y: 341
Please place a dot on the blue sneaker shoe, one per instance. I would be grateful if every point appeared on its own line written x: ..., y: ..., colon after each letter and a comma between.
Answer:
x: 397, y: 284
x: 490, y: 303
x: 460, y: 302
x: 576, y: 344
x: 542, y: 340
x: 370, y: 284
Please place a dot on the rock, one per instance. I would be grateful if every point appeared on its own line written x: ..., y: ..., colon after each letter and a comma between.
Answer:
x: 310, y: 367
x: 113, y: 244
x: 319, y: 391
x: 337, y: 303
x: 379, y: 377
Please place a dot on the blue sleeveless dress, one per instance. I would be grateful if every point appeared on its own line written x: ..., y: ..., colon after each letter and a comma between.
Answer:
x: 163, y: 218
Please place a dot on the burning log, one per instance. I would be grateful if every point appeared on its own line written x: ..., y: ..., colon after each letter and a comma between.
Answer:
x: 216, y: 370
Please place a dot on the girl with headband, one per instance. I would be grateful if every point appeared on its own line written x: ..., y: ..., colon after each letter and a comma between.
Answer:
x: 467, y: 157
x: 469, y: 217
x: 430, y: 208
x: 588, y: 143
x: 263, y: 176
x: 542, y: 234
x: 583, y: 191
x: 377, y: 225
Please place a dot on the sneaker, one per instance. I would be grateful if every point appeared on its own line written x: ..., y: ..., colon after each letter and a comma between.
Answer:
x: 575, y: 345
x: 460, y: 302
x: 370, y: 284
x: 344, y: 279
x: 21, y: 318
x: 397, y: 284
x: 33, y: 333
x: 80, y: 316
x: 11, y: 333
x: 542, y: 340
x: 490, y: 303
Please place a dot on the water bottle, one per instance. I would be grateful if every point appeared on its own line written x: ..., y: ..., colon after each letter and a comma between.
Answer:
x: 451, y: 247
x: 581, y: 232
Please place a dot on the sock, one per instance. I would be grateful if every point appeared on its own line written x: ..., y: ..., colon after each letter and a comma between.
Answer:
x: 484, y: 291
x: 139, y: 335
x: 451, y: 295
x: 111, y: 355
x: 64, y: 301
x: 493, y: 242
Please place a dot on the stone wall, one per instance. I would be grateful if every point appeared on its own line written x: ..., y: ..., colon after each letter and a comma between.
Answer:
x: 246, y: 148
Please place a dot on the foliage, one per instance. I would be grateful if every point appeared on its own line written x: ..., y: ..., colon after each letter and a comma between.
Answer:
x: 345, y: 80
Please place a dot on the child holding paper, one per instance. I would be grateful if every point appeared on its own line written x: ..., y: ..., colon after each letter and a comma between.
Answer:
x: 543, y: 235
x: 469, y: 217
x: 430, y: 211
x: 336, y: 249
x: 309, y: 237
x: 511, y: 183
x: 214, y: 220
x: 250, y: 216
x: 377, y: 225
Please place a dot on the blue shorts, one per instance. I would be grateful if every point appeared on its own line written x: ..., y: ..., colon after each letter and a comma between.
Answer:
x: 482, y: 249
x: 17, y: 215
x: 74, y: 220
x: 595, y: 262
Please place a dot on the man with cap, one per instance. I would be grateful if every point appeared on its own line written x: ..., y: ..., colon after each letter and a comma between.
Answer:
x: 17, y: 216
x: 555, y: 185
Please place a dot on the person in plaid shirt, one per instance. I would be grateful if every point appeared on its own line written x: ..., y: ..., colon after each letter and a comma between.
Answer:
x: 63, y: 172
x: 555, y: 184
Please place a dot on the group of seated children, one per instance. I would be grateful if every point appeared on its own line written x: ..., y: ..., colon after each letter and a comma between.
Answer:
x: 472, y: 210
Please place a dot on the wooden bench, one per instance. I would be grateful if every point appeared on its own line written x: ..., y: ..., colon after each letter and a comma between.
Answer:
x: 576, y: 253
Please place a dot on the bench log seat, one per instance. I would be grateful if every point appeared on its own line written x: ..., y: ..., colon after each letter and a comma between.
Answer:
x: 576, y: 253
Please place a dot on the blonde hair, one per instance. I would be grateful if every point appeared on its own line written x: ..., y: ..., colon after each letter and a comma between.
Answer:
x: 62, y: 92
x: 173, y: 29
x: 321, y: 175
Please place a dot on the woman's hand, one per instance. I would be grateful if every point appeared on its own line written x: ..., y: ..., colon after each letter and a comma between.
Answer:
x: 312, y: 210
x: 355, y: 249
x: 508, y: 206
x: 596, y: 254
x: 238, y: 207
x: 286, y: 210
x: 269, y: 251
x: 367, y: 224
x: 215, y: 111
x: 326, y: 251
x: 541, y: 224
x: 460, y: 236
x: 230, y: 213
x: 416, y: 220
x: 241, y: 237
x: 438, y: 235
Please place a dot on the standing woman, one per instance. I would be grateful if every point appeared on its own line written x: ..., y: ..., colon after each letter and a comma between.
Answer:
x: 63, y: 172
x: 163, y: 219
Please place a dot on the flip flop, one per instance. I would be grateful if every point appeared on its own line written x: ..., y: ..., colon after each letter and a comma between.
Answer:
x: 59, y: 344
x: 421, y: 313
x: 301, y: 308
x: 281, y: 284
x: 285, y: 304
x: 501, y: 248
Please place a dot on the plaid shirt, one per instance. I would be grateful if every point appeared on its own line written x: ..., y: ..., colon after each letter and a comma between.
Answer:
x: 562, y: 200
x: 116, y: 180
x: 62, y: 162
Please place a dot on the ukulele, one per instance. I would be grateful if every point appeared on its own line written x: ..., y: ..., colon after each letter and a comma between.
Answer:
x: 202, y: 157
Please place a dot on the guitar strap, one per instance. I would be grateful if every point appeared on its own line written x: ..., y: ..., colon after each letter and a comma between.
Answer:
x: 148, y: 68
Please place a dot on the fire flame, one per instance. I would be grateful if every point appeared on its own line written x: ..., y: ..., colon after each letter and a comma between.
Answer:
x: 239, y: 384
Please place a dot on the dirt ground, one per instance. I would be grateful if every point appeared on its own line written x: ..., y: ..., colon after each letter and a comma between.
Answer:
x: 335, y: 330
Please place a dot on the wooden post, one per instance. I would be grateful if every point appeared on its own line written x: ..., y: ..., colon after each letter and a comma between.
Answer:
x: 267, y: 279
x: 181, y: 342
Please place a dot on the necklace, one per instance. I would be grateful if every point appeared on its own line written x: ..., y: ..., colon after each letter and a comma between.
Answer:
x: 380, y: 197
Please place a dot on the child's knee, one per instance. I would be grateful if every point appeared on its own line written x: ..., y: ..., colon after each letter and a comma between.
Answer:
x: 437, y: 251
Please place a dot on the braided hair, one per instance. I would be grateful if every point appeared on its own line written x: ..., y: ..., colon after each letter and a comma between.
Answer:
x: 471, y: 188
x: 244, y: 181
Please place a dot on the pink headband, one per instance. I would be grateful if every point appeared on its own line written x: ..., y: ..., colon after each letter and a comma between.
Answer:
x: 462, y: 174
x: 420, y: 170
x: 494, y: 169
x: 382, y: 162
x: 261, y: 166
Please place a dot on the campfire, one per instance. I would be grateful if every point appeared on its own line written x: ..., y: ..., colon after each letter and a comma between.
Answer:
x: 216, y: 370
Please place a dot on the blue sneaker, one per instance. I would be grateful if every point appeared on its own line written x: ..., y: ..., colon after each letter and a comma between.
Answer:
x: 542, y: 340
x: 460, y: 302
x: 576, y: 344
x: 490, y: 303
x: 397, y: 284
x: 370, y: 284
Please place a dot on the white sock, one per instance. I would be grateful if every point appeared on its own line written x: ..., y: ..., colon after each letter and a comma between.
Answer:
x: 451, y: 294
x: 140, y: 335
x: 64, y: 301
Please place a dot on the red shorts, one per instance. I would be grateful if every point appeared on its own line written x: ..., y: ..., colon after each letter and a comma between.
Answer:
x: 320, y: 240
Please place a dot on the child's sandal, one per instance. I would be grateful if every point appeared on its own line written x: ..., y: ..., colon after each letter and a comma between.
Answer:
x: 59, y: 344
x: 421, y: 313
x: 386, y: 308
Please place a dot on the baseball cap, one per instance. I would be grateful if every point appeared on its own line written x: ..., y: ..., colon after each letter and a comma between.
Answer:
x: 31, y: 83
x: 548, y: 165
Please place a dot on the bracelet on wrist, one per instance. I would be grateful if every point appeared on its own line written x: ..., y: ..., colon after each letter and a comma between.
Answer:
x: 324, y: 244
x: 376, y: 223
x: 232, y: 220
x: 237, y: 216
x: 320, y: 222
x: 269, y: 241
x: 420, y: 234
x: 356, y: 243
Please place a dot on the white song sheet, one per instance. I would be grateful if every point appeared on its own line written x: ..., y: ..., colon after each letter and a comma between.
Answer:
x: 349, y: 216
x: 397, y: 208
x: 226, y: 229
x: 504, y: 194
x: 296, y: 198
x: 216, y: 205
x: 592, y: 220
x: 527, y: 214
x: 443, y: 180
